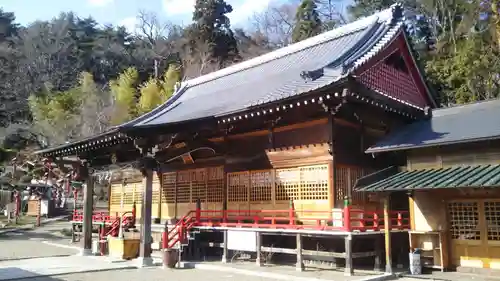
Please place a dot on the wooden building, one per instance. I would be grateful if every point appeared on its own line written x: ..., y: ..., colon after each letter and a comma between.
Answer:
x: 452, y: 177
x: 283, y: 131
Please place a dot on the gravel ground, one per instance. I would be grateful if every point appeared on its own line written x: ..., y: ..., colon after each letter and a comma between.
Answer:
x: 27, y: 244
x: 151, y: 274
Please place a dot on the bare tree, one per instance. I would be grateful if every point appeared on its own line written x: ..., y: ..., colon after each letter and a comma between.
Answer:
x: 276, y: 23
x: 332, y: 13
x: 159, y: 35
x: 196, y: 55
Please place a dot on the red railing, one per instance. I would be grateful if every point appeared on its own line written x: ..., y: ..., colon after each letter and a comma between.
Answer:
x: 97, y: 217
x: 346, y: 219
x: 106, y: 218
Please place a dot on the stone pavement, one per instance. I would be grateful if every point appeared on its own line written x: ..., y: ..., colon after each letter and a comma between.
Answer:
x: 150, y: 274
x: 449, y: 276
x: 27, y: 244
x: 28, y: 268
x: 283, y: 272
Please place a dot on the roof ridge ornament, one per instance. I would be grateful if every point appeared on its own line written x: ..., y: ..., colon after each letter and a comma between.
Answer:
x: 311, y: 75
x: 397, y: 12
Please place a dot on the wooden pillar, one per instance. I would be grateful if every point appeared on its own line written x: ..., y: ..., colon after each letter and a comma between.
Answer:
x: 379, y: 253
x: 145, y: 247
x: 349, y: 270
x: 160, y: 192
x: 224, y: 248
x: 387, y: 234
x: 88, y: 198
x: 300, y: 264
x: 258, y: 260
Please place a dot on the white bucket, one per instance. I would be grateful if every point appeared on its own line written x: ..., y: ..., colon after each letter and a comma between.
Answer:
x: 415, y: 266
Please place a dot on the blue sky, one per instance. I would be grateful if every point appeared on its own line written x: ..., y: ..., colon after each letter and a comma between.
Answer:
x: 123, y: 12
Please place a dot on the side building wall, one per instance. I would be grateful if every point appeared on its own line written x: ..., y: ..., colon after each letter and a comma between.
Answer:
x: 468, y: 219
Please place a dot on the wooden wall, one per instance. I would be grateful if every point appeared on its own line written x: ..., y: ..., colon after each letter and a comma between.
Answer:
x: 454, y: 156
x: 292, y: 166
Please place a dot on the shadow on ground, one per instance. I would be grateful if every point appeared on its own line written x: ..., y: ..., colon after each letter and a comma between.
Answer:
x: 37, y: 234
x: 14, y: 273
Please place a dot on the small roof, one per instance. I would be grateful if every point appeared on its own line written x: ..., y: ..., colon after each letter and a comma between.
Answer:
x: 280, y: 74
x: 459, y: 124
x: 474, y: 176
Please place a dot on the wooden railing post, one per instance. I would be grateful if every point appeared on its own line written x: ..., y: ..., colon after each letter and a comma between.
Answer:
x: 375, y: 221
x: 164, y: 238
x: 400, y: 221
x: 291, y: 215
x: 347, y: 215
x: 134, y: 214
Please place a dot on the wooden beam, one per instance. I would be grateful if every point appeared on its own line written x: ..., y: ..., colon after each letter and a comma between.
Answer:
x: 301, y: 125
x: 387, y: 234
x: 145, y: 246
x: 258, y: 260
x: 88, y: 204
x: 305, y: 253
x: 300, y: 264
x: 349, y: 270
x: 224, y: 249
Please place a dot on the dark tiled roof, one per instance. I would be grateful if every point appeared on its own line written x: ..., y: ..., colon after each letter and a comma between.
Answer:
x: 277, y: 75
x: 466, y: 123
x: 453, y: 177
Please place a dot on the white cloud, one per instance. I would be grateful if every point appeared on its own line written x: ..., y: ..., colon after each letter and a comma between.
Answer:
x: 247, y: 8
x: 178, y: 7
x: 100, y: 3
x: 242, y: 9
x: 130, y: 24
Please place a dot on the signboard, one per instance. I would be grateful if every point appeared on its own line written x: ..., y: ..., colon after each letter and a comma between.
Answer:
x: 242, y: 240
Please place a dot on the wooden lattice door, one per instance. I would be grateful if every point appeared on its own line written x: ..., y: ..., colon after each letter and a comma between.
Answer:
x: 474, y: 228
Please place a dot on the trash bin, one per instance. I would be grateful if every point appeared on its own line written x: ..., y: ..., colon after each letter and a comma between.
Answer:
x: 415, y: 265
x: 170, y: 258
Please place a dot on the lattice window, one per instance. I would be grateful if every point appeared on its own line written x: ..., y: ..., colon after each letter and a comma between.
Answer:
x: 238, y: 186
x: 345, y: 179
x: 215, y: 184
x: 115, y: 196
x: 358, y: 197
x: 156, y: 191
x: 198, y: 184
x: 287, y: 184
x: 261, y: 185
x: 492, y: 216
x: 464, y: 220
x: 342, y: 183
x: 183, y: 187
x: 168, y: 188
x: 314, y: 182
x: 137, y: 193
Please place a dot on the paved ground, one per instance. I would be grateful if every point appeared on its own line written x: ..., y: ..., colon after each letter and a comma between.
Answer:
x: 151, y: 274
x: 27, y: 244
x: 46, y: 250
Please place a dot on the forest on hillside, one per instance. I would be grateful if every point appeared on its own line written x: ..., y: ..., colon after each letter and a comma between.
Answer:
x: 70, y: 77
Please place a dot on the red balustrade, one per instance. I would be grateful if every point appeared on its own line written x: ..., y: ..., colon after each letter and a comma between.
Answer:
x: 346, y: 219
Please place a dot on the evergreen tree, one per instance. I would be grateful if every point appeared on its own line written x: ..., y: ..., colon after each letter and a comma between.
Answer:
x: 213, y: 28
x: 308, y: 22
x: 124, y: 92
